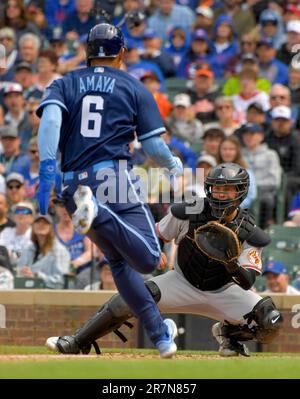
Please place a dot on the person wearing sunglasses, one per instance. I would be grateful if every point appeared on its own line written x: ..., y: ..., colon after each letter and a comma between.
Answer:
x: 15, y: 239
x: 225, y: 116
x: 15, y: 189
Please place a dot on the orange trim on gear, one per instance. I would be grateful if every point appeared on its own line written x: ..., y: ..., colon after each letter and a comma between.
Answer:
x: 252, y: 267
x: 159, y: 234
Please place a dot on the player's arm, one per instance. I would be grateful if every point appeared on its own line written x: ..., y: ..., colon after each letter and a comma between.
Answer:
x: 171, y: 227
x: 247, y: 268
x: 149, y: 128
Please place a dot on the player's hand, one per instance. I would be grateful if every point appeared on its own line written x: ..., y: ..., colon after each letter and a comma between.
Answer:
x: 177, y: 168
x: 47, y: 181
x: 163, y: 262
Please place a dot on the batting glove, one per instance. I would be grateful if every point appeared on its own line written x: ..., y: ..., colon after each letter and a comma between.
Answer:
x: 47, y: 180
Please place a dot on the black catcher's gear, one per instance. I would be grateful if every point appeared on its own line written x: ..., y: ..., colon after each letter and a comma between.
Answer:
x: 104, y: 41
x: 226, y: 174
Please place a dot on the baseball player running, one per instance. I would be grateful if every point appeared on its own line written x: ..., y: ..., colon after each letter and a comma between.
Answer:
x: 92, y: 115
x: 199, y: 284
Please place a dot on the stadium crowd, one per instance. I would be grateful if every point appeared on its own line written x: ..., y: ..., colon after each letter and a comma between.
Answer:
x: 226, y: 79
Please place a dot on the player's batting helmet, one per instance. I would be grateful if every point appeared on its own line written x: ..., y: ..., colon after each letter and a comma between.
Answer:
x: 226, y: 174
x: 104, y: 41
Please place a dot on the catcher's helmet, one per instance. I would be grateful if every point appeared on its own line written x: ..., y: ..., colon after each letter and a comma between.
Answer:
x: 226, y: 174
x: 104, y: 41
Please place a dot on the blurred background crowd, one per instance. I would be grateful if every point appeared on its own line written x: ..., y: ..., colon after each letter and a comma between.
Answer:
x: 226, y: 78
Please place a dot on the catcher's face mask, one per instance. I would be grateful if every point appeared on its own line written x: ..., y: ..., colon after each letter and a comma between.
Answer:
x: 234, y: 181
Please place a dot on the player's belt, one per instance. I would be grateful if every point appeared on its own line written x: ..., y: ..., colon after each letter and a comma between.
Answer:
x: 83, y: 174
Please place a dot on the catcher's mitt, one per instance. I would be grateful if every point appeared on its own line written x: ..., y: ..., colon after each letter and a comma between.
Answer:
x: 218, y: 242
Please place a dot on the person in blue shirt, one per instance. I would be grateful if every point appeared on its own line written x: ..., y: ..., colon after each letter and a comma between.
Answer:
x: 56, y: 11
x: 81, y: 19
x: 93, y: 114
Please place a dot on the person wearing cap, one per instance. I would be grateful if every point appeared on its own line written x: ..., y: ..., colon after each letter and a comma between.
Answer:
x: 269, y: 66
x: 271, y: 27
x: 134, y: 26
x: 285, y: 53
x: 12, y: 160
x: 168, y: 15
x: 183, y: 123
x: 15, y: 189
x: 153, y: 52
x: 204, y: 93
x: 243, y: 19
x: 248, y: 94
x: 204, y: 19
x: 200, y: 52
x: 44, y: 257
x: 265, y: 165
x: 277, y: 279
x: 24, y: 75
x: 15, y: 239
x: 151, y: 81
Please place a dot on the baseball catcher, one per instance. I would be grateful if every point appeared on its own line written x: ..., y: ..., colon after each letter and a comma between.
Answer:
x: 218, y: 260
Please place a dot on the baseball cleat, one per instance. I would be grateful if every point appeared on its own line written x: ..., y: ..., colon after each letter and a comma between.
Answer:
x: 86, y: 209
x: 166, y: 345
x: 51, y: 344
x: 228, y: 347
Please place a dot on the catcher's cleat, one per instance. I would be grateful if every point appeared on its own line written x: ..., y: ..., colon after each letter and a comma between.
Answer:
x: 69, y: 346
x: 86, y: 209
x: 166, y: 345
x: 227, y: 346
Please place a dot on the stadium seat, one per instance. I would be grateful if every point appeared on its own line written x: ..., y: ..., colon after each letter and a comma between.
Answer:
x: 284, y: 238
x: 28, y: 283
x: 174, y: 86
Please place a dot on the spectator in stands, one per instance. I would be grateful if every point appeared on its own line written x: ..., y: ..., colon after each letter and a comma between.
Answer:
x: 285, y: 54
x: 243, y: 20
x: 225, y: 45
x: 200, y: 51
x: 106, y: 281
x: 56, y: 11
x: 178, y: 44
x: 16, y: 115
x: 12, y: 160
x: 29, y: 47
x: 68, y: 60
x: 265, y: 166
x: 24, y: 75
x: 78, y: 246
x: 168, y: 15
x: 203, y: 94
x: 281, y: 95
x: 183, y: 123
x: 134, y: 27
x: 211, y: 142
x: 277, y: 279
x: 225, y: 116
x: 204, y: 19
x: 230, y: 151
x: 33, y: 101
x: 271, y: 27
x: 15, y: 18
x: 80, y: 21
x: 8, y: 40
x: 17, y: 238
x: 153, y: 52
x: 46, y: 70
x: 294, y: 212
x: 256, y: 114
x: 269, y: 66
x: 233, y: 84
x: 294, y: 86
x: 5, y: 221
x: 44, y: 257
x: 248, y: 95
x: 151, y: 81
x: 31, y: 180
x: 247, y: 49
x: 15, y: 190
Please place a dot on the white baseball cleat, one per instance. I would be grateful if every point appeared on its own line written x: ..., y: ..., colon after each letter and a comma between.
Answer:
x: 86, y: 209
x: 166, y: 346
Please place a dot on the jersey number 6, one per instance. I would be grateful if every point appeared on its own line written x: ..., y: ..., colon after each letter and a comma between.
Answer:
x: 91, y: 120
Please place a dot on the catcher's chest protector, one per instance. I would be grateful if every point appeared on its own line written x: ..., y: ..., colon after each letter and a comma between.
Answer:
x: 202, y: 272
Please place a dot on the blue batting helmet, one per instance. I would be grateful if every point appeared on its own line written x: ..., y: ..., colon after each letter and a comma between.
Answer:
x: 104, y: 41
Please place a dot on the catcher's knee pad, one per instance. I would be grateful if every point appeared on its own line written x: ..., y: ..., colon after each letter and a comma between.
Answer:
x: 154, y: 290
x: 267, y: 318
